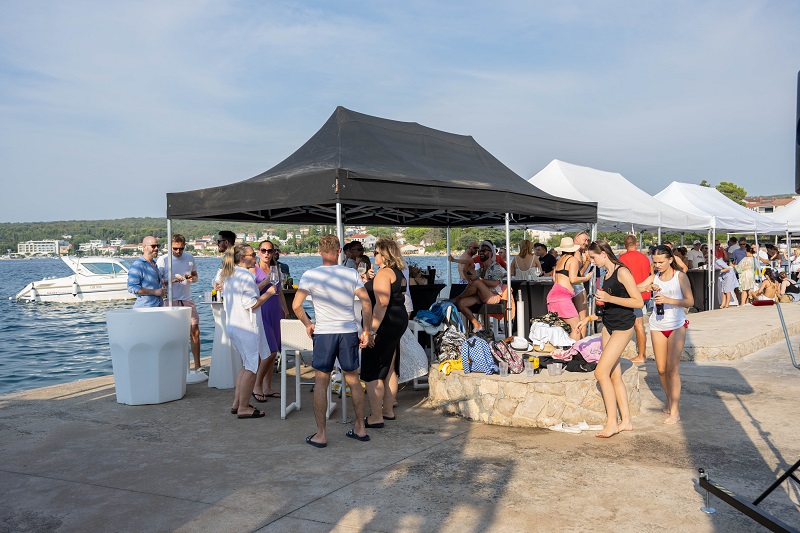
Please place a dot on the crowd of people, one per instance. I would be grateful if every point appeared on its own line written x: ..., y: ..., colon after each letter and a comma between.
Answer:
x: 626, y: 288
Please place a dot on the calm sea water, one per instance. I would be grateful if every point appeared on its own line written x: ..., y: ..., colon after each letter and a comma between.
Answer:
x: 47, y: 344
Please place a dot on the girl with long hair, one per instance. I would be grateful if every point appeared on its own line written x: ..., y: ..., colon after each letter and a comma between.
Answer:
x: 379, y: 360
x: 770, y: 287
x: 619, y: 298
x: 672, y: 293
x: 273, y: 310
x: 526, y: 262
x: 244, y: 324
x: 559, y: 299
x: 747, y: 276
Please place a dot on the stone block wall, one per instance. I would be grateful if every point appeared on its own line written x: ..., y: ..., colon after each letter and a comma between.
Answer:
x: 517, y: 400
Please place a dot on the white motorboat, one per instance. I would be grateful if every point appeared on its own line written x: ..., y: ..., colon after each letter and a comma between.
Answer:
x: 95, y: 279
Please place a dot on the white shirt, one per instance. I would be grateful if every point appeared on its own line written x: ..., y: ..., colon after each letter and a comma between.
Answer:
x: 695, y: 256
x: 180, y: 265
x: 350, y: 263
x: 332, y: 289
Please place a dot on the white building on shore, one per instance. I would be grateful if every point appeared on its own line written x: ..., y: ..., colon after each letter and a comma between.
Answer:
x: 53, y: 247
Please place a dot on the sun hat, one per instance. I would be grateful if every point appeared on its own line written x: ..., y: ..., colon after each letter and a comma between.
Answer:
x: 567, y: 245
x: 696, y: 242
x: 490, y: 245
x: 521, y: 344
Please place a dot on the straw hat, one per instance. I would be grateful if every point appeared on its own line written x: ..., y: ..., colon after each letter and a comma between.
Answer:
x: 567, y: 245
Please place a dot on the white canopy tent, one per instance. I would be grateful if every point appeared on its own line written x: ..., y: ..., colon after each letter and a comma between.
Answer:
x: 621, y: 205
x: 789, y: 215
x: 726, y: 215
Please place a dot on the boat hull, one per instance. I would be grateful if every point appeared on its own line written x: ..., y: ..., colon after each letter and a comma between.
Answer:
x: 58, y: 291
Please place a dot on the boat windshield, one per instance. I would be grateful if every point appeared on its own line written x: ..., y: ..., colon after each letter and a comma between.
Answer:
x: 105, y: 269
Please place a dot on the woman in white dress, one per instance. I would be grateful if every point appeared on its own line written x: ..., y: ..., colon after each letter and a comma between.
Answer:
x: 525, y: 264
x: 243, y: 322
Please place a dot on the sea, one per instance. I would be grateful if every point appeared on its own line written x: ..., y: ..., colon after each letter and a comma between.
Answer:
x: 46, y: 344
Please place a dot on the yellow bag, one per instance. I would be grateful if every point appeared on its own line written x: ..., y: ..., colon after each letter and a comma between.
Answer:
x: 451, y: 364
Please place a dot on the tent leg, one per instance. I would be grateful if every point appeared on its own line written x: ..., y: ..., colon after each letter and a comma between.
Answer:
x: 169, y: 262
x: 659, y: 235
x: 712, y: 236
x: 340, y: 230
x: 591, y: 329
x: 449, y: 266
x: 509, y: 289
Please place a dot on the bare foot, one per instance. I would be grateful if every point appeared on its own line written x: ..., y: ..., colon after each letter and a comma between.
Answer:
x: 608, y: 431
x: 672, y: 419
x: 638, y: 360
x: 626, y: 426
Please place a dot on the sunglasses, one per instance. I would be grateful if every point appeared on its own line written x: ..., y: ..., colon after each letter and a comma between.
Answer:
x: 153, y: 245
x: 179, y: 249
x: 267, y: 251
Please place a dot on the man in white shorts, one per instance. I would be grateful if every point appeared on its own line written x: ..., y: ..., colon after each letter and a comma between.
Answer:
x: 333, y: 289
x: 184, y: 273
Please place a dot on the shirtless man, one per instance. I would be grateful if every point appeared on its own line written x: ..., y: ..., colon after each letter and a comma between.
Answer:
x: 465, y: 264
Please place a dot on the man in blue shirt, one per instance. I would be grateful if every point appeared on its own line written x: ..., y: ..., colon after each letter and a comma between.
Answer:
x: 144, y: 279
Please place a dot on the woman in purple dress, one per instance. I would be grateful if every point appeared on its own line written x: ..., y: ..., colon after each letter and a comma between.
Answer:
x: 273, y: 310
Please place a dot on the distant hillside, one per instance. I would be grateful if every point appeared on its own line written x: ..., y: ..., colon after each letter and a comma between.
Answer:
x: 131, y: 230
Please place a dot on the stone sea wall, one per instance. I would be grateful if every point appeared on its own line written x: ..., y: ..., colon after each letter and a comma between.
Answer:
x: 516, y: 400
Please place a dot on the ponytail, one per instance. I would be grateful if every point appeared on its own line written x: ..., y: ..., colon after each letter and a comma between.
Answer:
x: 232, y: 258
x: 602, y: 246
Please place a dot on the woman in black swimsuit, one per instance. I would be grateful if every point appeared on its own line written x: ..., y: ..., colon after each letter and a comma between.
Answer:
x: 619, y: 298
x: 389, y: 321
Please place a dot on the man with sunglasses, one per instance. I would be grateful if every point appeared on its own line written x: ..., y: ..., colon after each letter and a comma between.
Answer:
x: 225, y: 239
x: 144, y: 278
x: 485, y: 287
x: 353, y: 252
x: 184, y: 273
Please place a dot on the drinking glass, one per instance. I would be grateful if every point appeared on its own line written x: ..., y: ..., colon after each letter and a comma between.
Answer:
x: 529, y: 370
x: 362, y: 268
x: 503, y: 369
x: 274, y: 275
x: 537, y: 272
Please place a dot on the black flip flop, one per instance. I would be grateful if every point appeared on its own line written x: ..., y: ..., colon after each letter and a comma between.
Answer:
x: 352, y: 435
x: 256, y: 396
x: 367, y: 425
x: 236, y: 411
x: 316, y: 444
x: 255, y: 414
x: 389, y: 417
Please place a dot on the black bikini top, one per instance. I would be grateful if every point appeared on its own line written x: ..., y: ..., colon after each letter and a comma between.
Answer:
x: 564, y: 271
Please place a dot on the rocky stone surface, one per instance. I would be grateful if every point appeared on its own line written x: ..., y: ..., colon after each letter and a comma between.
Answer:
x: 516, y: 400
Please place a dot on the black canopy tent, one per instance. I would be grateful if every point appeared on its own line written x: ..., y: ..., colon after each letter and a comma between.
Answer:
x: 365, y: 170
x: 382, y: 172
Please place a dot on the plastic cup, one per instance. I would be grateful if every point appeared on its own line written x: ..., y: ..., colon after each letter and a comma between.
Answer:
x: 555, y: 369
x: 207, y: 296
x: 503, y: 369
x: 529, y: 370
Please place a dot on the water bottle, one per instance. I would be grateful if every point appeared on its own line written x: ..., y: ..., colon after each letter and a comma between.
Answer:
x: 660, y: 309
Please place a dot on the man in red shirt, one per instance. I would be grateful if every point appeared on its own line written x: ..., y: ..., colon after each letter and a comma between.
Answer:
x: 639, y: 265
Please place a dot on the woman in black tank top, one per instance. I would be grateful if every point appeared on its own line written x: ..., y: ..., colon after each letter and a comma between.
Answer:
x: 389, y: 321
x: 619, y: 298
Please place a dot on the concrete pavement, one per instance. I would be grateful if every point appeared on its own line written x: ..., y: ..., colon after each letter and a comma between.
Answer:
x: 75, y: 460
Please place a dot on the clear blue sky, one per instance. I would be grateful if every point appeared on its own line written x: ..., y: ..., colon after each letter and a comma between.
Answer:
x: 107, y: 106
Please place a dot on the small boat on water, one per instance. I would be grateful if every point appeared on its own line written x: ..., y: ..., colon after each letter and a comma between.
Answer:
x: 94, y: 279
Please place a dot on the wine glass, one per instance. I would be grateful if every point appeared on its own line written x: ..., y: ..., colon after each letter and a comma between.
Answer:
x: 537, y: 272
x: 274, y: 276
x: 362, y: 268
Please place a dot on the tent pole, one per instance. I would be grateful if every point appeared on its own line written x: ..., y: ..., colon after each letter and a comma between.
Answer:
x: 509, y: 289
x: 788, y: 248
x: 659, y: 235
x: 682, y: 236
x: 712, y: 258
x: 340, y: 230
x: 169, y: 262
x: 593, y: 286
x: 449, y: 266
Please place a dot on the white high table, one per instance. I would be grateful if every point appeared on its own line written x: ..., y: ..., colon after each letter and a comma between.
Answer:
x: 225, y: 361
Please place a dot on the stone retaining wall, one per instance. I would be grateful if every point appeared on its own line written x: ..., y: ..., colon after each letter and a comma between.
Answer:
x: 516, y: 400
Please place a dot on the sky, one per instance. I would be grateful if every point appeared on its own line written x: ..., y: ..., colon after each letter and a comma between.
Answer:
x: 107, y: 106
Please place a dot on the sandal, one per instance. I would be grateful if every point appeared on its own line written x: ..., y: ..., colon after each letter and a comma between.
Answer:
x: 255, y: 414
x: 261, y: 398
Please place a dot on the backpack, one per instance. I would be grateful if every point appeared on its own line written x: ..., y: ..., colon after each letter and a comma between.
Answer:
x: 505, y: 353
x: 447, y: 343
x: 476, y: 356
